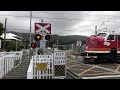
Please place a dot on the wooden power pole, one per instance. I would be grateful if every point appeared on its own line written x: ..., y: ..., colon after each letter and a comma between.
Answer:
x: 5, y: 34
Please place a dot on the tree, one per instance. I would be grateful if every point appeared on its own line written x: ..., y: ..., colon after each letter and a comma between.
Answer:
x: 1, y: 29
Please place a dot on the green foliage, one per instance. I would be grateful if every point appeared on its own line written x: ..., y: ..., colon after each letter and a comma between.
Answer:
x: 11, y: 45
x: 1, y: 29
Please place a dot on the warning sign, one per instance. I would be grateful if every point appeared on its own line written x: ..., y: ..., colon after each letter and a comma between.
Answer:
x: 43, y: 28
x: 41, y: 66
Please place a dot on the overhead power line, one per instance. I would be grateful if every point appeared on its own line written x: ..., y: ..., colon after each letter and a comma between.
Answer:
x: 75, y: 14
x: 63, y: 18
x: 69, y: 13
x: 60, y: 13
x: 14, y: 16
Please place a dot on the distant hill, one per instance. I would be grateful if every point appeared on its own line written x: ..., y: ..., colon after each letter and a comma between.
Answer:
x: 63, y: 40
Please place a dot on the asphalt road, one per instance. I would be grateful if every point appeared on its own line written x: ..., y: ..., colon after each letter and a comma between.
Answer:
x: 76, y: 69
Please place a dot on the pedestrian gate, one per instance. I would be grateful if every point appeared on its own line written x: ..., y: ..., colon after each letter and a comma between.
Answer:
x: 48, y: 66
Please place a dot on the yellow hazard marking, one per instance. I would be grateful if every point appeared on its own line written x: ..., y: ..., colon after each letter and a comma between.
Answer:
x: 59, y: 70
x: 75, y: 69
x: 116, y: 70
x: 73, y: 65
x: 101, y: 73
x: 67, y: 68
x: 69, y: 61
x: 87, y: 70
x: 41, y: 66
x: 97, y: 71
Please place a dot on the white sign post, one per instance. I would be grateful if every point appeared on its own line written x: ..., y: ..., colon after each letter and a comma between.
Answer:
x: 0, y: 43
x: 42, y: 43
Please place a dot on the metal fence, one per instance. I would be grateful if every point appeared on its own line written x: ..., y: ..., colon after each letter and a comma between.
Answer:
x: 8, y: 61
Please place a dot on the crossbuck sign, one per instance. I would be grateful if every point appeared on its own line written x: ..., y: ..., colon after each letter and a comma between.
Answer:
x: 43, y: 28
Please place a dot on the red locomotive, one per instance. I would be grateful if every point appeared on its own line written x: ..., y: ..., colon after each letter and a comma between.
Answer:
x: 102, y: 47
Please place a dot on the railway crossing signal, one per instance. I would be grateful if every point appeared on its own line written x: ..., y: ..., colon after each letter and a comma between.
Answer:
x: 33, y: 45
x: 47, y: 37
x: 38, y: 37
x: 43, y: 31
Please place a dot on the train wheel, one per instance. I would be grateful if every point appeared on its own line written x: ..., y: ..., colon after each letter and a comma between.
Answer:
x: 93, y: 61
x: 89, y: 61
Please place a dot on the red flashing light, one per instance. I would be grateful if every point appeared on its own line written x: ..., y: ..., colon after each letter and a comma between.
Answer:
x: 32, y: 45
x: 37, y: 37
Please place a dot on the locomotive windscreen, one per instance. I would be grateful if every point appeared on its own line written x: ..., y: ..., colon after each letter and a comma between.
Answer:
x: 102, y: 34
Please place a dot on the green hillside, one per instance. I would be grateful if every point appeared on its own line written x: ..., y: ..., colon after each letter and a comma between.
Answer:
x: 62, y: 40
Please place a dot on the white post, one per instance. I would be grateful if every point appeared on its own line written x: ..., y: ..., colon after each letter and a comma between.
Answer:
x: 0, y: 43
x: 30, y: 27
x: 42, y: 35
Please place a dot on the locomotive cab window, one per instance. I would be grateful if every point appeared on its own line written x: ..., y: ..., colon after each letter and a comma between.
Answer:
x: 102, y: 34
x: 118, y: 36
x: 110, y: 37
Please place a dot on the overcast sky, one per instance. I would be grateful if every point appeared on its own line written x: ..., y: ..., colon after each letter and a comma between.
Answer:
x: 63, y: 22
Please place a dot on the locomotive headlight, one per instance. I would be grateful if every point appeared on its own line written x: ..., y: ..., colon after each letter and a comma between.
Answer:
x: 106, y: 43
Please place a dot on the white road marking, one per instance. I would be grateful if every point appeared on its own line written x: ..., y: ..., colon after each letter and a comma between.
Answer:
x: 97, y: 77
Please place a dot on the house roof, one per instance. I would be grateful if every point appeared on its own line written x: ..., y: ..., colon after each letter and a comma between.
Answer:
x: 10, y: 36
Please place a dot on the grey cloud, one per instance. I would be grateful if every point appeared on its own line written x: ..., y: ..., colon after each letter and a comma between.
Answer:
x: 62, y: 24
